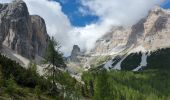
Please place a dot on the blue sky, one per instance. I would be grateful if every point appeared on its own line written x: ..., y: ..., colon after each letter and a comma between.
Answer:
x: 71, y: 9
x: 167, y: 4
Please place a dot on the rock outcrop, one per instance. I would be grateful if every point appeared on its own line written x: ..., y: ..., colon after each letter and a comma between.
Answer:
x: 23, y: 33
x: 75, y: 53
x: 157, y: 29
x: 112, y: 42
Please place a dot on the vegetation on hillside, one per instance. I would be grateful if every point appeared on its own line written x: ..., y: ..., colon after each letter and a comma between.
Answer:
x: 19, y: 83
x: 159, y: 59
x: 131, y: 61
x: 126, y: 85
x: 150, y: 83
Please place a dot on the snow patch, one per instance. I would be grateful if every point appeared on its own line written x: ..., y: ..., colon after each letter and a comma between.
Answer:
x: 118, y: 65
x: 143, y: 62
x: 108, y: 65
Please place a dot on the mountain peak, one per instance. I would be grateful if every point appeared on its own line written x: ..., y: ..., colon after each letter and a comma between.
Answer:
x: 157, y: 10
x: 23, y: 33
x: 75, y: 53
x: 152, y: 32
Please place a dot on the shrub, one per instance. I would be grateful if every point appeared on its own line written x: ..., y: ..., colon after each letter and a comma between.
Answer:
x: 37, y: 91
x: 11, y: 86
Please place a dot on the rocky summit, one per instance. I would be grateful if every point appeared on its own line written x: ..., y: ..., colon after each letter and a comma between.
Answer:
x: 75, y: 53
x: 25, y: 34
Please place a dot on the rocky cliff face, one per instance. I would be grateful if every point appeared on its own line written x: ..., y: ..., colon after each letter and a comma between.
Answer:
x: 21, y: 32
x: 112, y: 42
x: 119, y: 49
x: 152, y: 33
x: 146, y: 36
x: 155, y: 30
x: 75, y: 53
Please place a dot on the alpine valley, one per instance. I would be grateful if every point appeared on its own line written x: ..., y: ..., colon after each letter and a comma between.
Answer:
x: 127, y: 63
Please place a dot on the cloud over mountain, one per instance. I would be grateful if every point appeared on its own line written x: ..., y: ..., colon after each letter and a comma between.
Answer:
x: 110, y: 13
x: 123, y: 12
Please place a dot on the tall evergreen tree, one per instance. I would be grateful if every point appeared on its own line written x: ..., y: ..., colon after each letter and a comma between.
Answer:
x: 54, y: 60
x: 102, y: 90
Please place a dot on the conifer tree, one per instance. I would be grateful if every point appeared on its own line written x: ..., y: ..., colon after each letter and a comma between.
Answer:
x: 54, y: 60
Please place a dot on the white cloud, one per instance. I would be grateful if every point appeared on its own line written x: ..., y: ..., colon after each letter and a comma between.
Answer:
x: 87, y: 36
x: 124, y: 12
x: 5, y: 1
x: 110, y: 12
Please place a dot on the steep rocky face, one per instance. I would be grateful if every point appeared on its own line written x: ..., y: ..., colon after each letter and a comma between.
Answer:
x: 147, y: 36
x: 157, y: 29
x: 40, y: 37
x: 112, y: 42
x: 75, y: 53
x: 152, y: 33
x: 21, y: 32
x: 136, y: 32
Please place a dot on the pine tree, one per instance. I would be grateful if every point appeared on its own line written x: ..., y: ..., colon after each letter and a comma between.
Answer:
x: 1, y: 77
x: 54, y: 60
x: 102, y: 89
x: 91, y: 88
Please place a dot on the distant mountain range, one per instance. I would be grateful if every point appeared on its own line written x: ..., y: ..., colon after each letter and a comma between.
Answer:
x: 132, y: 48
x: 23, y: 37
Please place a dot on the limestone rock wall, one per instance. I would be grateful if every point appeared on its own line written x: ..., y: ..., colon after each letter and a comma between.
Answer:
x: 21, y: 32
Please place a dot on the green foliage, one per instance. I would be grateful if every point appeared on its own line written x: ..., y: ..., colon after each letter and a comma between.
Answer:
x: 131, y: 62
x: 11, y: 85
x: 126, y: 85
x: 37, y: 91
x: 70, y: 87
x: 13, y: 77
x: 54, y: 60
x: 1, y: 78
x: 20, y: 83
x: 102, y: 90
x: 53, y: 55
x: 159, y: 59
x: 32, y: 67
x: 97, y: 61
x: 24, y: 77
